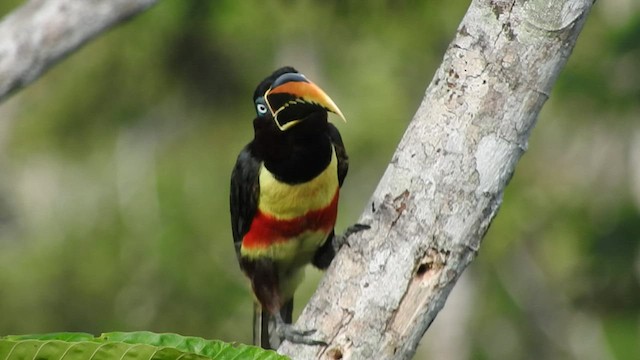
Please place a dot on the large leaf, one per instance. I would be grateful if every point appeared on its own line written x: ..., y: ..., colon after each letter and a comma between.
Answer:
x: 141, y: 345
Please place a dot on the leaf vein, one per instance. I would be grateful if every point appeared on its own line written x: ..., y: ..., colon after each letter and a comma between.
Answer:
x: 155, y: 351
x: 11, y: 351
x: 96, y: 350
x: 69, y: 348
x: 128, y: 349
x: 39, y: 348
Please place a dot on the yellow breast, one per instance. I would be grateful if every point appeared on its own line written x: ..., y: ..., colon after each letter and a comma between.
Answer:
x: 284, y: 201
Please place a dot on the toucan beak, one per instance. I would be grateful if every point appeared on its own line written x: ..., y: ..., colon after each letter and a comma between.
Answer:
x: 292, y: 97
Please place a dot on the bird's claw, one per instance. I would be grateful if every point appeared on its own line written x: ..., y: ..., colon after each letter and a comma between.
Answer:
x: 289, y: 333
x: 340, y: 240
x: 355, y: 228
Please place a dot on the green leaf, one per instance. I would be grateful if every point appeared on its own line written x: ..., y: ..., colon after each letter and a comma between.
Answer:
x: 142, y: 345
x: 89, y: 350
x: 64, y: 336
x: 213, y: 349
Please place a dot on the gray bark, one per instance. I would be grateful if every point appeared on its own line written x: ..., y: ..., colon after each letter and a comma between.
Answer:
x: 445, y: 182
x: 41, y: 32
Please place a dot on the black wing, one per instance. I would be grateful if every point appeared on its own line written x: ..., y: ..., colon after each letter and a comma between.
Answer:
x: 341, y: 153
x: 245, y: 189
x: 326, y: 252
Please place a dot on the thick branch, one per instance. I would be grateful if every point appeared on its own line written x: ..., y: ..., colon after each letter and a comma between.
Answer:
x: 445, y: 182
x: 41, y: 32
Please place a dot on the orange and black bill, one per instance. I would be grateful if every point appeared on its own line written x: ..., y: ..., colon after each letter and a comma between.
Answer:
x: 292, y: 96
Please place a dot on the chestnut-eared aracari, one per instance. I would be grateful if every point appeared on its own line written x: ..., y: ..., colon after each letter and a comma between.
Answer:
x: 284, y: 198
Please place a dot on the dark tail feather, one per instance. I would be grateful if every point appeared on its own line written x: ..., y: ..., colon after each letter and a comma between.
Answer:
x: 260, y: 327
x: 263, y: 322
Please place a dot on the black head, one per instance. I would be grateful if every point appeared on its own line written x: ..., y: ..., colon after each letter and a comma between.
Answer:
x: 266, y: 83
x: 287, y: 97
x: 259, y: 101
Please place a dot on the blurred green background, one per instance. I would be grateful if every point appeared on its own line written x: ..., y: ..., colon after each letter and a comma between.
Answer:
x: 115, y: 171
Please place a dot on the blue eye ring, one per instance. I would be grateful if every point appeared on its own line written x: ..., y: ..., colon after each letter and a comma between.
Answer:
x: 261, y: 108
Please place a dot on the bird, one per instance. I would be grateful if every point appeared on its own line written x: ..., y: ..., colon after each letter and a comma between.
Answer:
x: 284, y: 195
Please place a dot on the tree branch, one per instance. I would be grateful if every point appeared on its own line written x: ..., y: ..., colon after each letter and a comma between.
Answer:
x: 445, y: 182
x: 41, y: 32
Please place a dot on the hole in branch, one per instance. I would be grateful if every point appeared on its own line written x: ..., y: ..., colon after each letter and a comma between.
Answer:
x: 335, y: 354
x: 422, y: 269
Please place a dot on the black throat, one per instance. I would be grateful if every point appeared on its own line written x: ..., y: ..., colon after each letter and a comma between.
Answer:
x: 297, y: 154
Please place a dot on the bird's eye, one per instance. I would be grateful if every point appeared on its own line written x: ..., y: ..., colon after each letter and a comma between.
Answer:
x: 262, y: 108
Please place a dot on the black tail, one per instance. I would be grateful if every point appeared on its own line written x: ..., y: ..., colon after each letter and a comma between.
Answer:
x: 260, y: 327
x: 264, y: 324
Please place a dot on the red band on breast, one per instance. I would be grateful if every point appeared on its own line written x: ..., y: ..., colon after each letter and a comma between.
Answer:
x: 267, y: 230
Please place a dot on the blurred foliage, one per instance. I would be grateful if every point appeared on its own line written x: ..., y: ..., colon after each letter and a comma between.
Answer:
x: 114, y: 189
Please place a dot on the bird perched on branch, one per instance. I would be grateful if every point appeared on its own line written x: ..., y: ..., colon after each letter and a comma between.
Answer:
x: 284, y: 198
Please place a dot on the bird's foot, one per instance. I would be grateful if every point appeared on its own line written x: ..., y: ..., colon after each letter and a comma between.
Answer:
x: 289, y: 333
x: 343, y: 239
